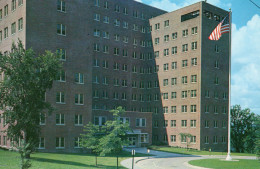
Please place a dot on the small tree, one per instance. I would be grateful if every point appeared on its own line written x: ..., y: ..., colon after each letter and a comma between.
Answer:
x: 109, y: 138
x: 188, y: 138
x: 27, y: 77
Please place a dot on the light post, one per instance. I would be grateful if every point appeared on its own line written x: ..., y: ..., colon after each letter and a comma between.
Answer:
x: 133, y: 154
x: 148, y: 151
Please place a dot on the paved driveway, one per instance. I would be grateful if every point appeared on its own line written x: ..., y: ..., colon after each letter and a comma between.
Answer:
x: 164, y: 160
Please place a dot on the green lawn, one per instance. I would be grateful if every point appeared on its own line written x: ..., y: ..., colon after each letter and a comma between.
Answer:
x: 194, y: 152
x: 222, y: 164
x: 61, y: 160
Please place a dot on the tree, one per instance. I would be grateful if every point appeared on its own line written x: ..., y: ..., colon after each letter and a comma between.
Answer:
x: 187, y: 136
x: 242, y: 129
x: 22, y: 92
x: 257, y: 143
x: 107, y: 139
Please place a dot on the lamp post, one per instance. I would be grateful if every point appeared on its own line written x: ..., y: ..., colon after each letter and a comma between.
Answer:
x: 148, y: 151
x: 133, y: 154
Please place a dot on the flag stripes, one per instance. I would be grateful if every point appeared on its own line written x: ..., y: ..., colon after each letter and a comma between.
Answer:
x: 223, y: 27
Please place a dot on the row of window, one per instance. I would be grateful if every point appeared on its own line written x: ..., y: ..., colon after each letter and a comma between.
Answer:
x: 13, y: 8
x: 117, y: 8
x: 184, y: 123
x: 5, y: 33
x: 192, y: 139
x: 174, y: 35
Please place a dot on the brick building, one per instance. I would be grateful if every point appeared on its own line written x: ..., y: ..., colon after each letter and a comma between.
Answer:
x: 159, y: 66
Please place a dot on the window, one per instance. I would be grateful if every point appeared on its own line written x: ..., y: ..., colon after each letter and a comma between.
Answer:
x: 215, y: 139
x: 190, y: 15
x: 105, y: 64
x: 41, y: 143
x: 61, y: 53
x: 156, y: 41
x: 184, y: 63
x: 174, y: 35
x: 61, y: 29
x: 185, y: 48
x: 97, y: 17
x: 156, y: 84
x: 116, y: 22
x: 165, y: 82
x: 144, y: 138
x: 193, y: 93
x: 6, y: 33
x: 184, y: 108
x: 174, y: 95
x: 142, y: 29
x: 60, y: 97
x: 206, y: 108
x: 166, y: 23
x: 116, y: 66
x: 125, y: 39
x: 193, y: 139
x: 166, y: 38
x: 140, y: 122
x: 60, y: 119
x: 156, y: 54
x: 193, y: 45
x: 223, y: 139
x: 165, y: 96
x: 105, y: 49
x: 60, y: 142
x: 105, y: 94
x: 216, y: 95
x: 61, y: 76
x: 216, y: 80
x: 13, y: 28
x: 183, y: 139
x: 96, y: 3
x: 165, y: 123
x: 173, y: 109
x: 20, y: 24
x: 78, y: 120
x: 124, y: 83
x: 165, y: 109
x: 193, y: 61
x: 6, y: 10
x: 174, y: 65
x: 206, y: 139
x: 100, y: 120
x: 1, y: 14
x: 215, y: 124
x: 42, y: 118
x: 193, y: 78
x: 106, y: 19
x: 77, y: 142
x: 166, y: 52
x: 157, y: 26
x: 174, y: 81
x: 193, y: 108
x: 206, y: 124
x: 184, y: 123
x: 115, y: 96
x: 216, y: 49
x: 207, y: 93
x: 216, y: 64
x: 79, y: 99
x: 173, y: 123
x: 123, y: 96
x: 105, y: 81
x: 135, y: 27
x: 79, y: 78
x: 185, y: 33
x: 223, y: 124
x: 184, y: 80
x: 173, y: 138
x: 117, y: 8
x: 116, y: 51
x: 61, y: 6
x: 96, y: 47
x: 125, y: 11
x: 125, y: 25
x: 193, y: 123
x: 194, y: 30
x: 106, y: 5
x: 184, y: 94
x: 97, y: 32
x: 166, y: 67
x: 174, y: 50
x: 20, y: 2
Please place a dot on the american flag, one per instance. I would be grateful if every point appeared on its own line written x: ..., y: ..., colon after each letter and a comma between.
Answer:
x: 223, y: 27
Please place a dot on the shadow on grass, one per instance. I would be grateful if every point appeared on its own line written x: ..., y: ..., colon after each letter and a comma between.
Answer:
x: 71, y: 163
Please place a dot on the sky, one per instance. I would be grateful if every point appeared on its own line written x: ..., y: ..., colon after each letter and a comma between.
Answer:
x: 245, y: 73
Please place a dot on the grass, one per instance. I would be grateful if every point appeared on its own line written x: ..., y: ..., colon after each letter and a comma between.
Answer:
x: 222, y: 164
x: 61, y: 160
x: 194, y: 152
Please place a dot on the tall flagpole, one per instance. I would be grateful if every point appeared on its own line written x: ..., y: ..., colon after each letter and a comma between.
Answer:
x: 229, y: 158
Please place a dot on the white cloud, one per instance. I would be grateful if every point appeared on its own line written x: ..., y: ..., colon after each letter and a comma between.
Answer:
x: 169, y: 5
x: 245, y: 88
x: 138, y: 0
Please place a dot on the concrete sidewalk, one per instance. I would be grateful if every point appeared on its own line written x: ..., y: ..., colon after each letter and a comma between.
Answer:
x: 164, y: 160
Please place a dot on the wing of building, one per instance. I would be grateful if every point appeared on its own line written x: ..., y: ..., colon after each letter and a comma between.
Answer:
x: 160, y: 67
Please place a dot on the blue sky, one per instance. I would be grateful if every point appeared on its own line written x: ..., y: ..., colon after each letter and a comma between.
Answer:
x: 245, y: 76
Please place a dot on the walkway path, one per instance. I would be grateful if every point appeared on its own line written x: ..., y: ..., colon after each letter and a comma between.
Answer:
x: 164, y: 160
